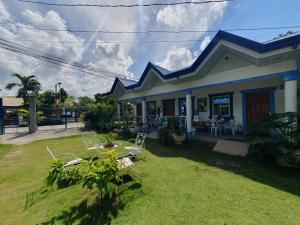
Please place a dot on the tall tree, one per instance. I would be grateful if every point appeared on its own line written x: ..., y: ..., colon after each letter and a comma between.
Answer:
x: 28, y: 86
x: 63, y: 95
x: 85, y: 102
x: 48, y: 98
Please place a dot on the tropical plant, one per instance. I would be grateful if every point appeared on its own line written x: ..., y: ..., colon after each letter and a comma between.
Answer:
x: 108, y: 140
x: 178, y: 128
x: 277, y: 137
x: 103, y: 174
x: 101, y: 116
x: 25, y: 114
x: 63, y: 177
x: 28, y: 86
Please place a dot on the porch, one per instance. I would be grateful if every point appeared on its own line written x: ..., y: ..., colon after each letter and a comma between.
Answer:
x: 220, y: 111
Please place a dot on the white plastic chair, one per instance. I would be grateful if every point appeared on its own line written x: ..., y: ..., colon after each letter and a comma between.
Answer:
x: 139, y: 143
x: 72, y: 162
x: 230, y: 126
x: 215, y: 128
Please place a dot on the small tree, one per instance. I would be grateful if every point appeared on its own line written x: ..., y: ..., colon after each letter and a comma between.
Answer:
x: 103, y: 174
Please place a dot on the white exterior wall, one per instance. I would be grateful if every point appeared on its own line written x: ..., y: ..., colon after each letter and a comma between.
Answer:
x: 250, y: 71
x: 237, y: 97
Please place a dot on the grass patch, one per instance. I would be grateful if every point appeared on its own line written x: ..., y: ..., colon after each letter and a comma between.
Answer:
x: 180, y: 185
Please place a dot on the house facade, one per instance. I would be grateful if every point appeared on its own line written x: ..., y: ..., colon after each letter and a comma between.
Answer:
x: 234, y: 78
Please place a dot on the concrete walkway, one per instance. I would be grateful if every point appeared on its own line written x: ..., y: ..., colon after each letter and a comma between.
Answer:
x: 25, y: 138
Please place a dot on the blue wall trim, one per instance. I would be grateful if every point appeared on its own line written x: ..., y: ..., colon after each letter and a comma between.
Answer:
x: 221, y: 35
x: 291, y: 75
x: 222, y: 84
x: 271, y: 90
x: 189, y: 92
x: 231, y: 116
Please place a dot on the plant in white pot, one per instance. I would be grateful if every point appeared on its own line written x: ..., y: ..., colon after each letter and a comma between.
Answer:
x: 179, y: 132
x: 133, y: 129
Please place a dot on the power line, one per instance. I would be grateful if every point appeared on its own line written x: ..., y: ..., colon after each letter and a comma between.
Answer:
x: 108, y: 42
x: 123, y: 5
x: 16, y: 48
x: 152, y: 31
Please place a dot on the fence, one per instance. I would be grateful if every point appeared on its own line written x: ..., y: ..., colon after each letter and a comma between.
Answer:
x: 16, y: 119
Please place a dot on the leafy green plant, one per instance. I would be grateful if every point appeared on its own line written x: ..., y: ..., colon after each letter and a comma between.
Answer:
x: 108, y: 140
x: 178, y: 129
x: 63, y: 177
x: 101, y: 116
x: 277, y: 137
x: 165, y: 136
x: 103, y: 174
x: 25, y: 114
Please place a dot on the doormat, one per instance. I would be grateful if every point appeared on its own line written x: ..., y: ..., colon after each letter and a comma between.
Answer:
x: 231, y: 147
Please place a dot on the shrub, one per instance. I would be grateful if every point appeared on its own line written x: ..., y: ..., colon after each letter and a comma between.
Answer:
x: 103, y: 174
x: 63, y: 177
x: 276, y: 137
x: 165, y: 136
x: 101, y: 116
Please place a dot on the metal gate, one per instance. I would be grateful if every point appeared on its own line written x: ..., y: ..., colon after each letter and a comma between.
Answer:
x: 16, y: 119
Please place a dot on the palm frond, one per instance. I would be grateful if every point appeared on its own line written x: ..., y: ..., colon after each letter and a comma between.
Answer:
x: 11, y: 86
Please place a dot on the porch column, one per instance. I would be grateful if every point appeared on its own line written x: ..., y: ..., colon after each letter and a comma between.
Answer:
x: 290, y: 91
x: 189, y: 113
x: 119, y: 111
x: 135, y: 111
x: 144, y: 111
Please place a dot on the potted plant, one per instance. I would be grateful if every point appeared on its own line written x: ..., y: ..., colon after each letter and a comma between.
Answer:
x: 133, y: 128
x: 108, y: 141
x: 178, y: 132
x: 179, y: 135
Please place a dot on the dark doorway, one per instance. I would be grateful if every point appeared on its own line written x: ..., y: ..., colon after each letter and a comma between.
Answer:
x: 169, y: 107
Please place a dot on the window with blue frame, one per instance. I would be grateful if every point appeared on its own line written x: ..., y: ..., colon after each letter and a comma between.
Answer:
x: 221, y: 105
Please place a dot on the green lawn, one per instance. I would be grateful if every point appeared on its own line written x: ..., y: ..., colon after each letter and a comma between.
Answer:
x: 180, y: 185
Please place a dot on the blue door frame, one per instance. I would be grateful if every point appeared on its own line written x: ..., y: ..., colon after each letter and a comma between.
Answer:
x: 270, y: 90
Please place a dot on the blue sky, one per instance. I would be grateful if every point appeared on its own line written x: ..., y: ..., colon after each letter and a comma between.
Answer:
x: 128, y: 59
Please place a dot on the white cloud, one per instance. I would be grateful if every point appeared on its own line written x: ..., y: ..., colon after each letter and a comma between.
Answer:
x: 116, y: 57
x: 177, y: 58
x: 4, y: 15
x: 203, y: 45
x: 113, y: 57
x: 172, y: 16
x: 200, y: 16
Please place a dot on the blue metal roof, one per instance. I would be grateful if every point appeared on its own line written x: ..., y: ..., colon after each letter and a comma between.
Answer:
x: 221, y: 35
x: 127, y: 82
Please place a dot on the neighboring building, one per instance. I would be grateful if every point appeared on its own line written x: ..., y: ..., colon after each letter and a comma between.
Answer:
x: 10, y: 101
x: 234, y: 77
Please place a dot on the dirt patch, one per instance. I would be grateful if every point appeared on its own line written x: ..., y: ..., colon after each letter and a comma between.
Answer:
x: 13, y: 154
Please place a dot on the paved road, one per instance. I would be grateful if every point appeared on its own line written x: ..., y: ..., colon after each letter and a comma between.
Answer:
x: 24, y: 137
x: 11, y: 130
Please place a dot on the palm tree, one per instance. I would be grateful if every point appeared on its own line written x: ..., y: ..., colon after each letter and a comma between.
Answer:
x: 28, y: 86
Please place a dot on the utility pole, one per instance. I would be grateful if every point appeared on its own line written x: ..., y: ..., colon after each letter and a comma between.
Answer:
x: 57, y: 91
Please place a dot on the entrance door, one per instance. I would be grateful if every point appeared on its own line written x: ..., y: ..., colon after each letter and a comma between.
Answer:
x: 258, y: 106
x: 169, y: 107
